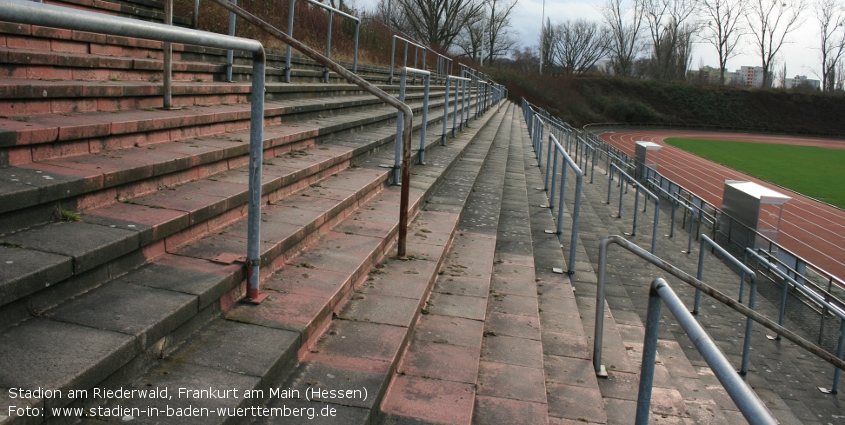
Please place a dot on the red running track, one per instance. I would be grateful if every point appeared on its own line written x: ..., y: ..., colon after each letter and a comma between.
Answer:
x: 811, y: 229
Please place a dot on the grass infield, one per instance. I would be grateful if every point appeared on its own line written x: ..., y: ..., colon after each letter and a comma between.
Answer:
x: 812, y: 171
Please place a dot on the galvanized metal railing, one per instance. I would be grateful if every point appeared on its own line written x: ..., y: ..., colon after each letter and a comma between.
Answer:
x: 332, y: 11
x: 752, y: 297
x: 813, y: 295
x: 576, y: 212
x: 403, y: 75
x: 408, y: 43
x: 725, y: 229
x: 752, y: 408
x: 460, y: 85
x: 600, y: 369
x: 724, y: 224
x: 291, y: 13
x: 638, y: 186
x: 404, y: 110
x: 60, y: 17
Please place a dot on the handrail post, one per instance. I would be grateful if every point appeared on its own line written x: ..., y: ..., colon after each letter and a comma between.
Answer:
x: 752, y: 408
x: 426, y: 82
x: 355, y: 54
x: 840, y: 347
x: 230, y: 54
x: 167, y: 102
x: 195, y: 24
x: 256, y: 157
x: 445, y: 114
x: 328, y: 46
x: 392, y: 59
x: 652, y: 326
x: 290, y: 34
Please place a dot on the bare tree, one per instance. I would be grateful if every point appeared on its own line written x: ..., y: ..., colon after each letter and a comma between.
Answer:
x: 435, y: 22
x: 831, y: 19
x: 547, y: 37
x: 724, y: 28
x: 471, y: 40
x: 770, y: 22
x: 579, y: 44
x: 501, y: 40
x: 671, y: 26
x: 625, y: 23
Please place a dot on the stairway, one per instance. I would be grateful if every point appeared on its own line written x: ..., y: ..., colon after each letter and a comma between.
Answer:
x: 122, y: 226
x: 784, y: 376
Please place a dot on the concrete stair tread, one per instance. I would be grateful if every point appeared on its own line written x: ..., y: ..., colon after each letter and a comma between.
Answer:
x: 438, y: 377
x: 143, y: 220
x: 58, y: 178
x: 185, y: 286
x: 315, y: 275
x: 684, y: 388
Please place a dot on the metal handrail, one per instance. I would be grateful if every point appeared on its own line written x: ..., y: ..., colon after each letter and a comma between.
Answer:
x: 838, y: 312
x: 752, y: 408
x: 73, y: 19
x: 459, y: 82
x: 683, y: 276
x: 331, y: 11
x: 638, y: 186
x: 829, y: 277
x: 403, y: 75
x: 405, y: 62
x: 752, y: 298
x: 576, y: 213
x: 405, y: 110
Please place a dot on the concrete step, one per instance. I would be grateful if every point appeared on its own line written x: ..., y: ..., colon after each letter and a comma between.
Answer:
x: 573, y: 391
x: 25, y: 99
x: 161, y: 219
x: 33, y: 52
x: 253, y: 347
x: 137, y: 152
x: 437, y: 380
x: 685, y: 383
x: 362, y: 345
x: 144, y: 10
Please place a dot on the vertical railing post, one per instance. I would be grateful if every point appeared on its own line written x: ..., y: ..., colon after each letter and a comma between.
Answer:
x: 397, y: 158
x: 355, y: 57
x: 840, y: 347
x: 256, y: 156
x: 426, y: 82
x: 392, y: 59
x: 291, y: 6
x: 649, y: 356
x: 446, y: 114
x: 328, y: 46
x: 167, y: 102
x: 196, y: 17
x: 230, y: 55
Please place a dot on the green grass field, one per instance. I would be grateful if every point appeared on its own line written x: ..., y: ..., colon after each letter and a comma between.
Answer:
x: 813, y: 171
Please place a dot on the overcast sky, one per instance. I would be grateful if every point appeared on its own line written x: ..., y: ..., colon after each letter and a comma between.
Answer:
x: 801, y: 54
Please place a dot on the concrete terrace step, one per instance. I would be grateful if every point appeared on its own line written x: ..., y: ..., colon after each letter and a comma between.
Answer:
x: 437, y: 377
x: 144, y: 10
x: 573, y: 392
x: 255, y: 347
x: 678, y: 395
x: 361, y: 347
x: 28, y: 51
x: 59, y: 157
x: 157, y: 219
x: 49, y: 136
x: 685, y: 388
x: 23, y: 98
